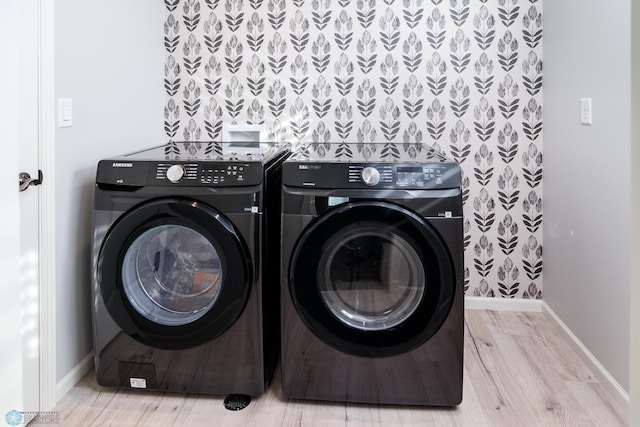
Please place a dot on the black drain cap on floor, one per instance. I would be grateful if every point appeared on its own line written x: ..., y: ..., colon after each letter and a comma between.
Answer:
x: 237, y: 402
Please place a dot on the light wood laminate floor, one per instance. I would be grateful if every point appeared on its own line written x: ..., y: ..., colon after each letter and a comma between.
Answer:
x: 519, y: 371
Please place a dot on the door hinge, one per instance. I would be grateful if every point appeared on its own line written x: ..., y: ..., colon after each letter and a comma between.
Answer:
x: 25, y: 181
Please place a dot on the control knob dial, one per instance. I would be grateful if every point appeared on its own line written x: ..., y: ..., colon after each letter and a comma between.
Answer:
x: 175, y: 173
x: 370, y: 176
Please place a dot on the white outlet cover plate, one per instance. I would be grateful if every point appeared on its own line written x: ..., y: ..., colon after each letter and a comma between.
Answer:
x: 585, y: 111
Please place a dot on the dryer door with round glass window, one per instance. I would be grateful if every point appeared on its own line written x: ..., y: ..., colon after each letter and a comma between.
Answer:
x: 372, y: 279
x: 174, y: 273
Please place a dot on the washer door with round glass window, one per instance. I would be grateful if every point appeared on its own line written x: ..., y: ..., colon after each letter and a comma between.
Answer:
x: 371, y: 279
x: 174, y: 273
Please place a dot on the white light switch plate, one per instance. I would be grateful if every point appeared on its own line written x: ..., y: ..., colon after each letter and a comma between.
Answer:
x: 585, y: 111
x: 65, y: 112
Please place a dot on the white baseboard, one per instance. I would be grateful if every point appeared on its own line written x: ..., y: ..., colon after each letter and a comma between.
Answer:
x: 503, y: 304
x: 604, y: 377
x: 75, y: 375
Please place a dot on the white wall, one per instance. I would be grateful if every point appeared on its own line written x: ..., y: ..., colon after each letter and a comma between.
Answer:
x: 587, y: 182
x: 635, y: 213
x: 109, y: 60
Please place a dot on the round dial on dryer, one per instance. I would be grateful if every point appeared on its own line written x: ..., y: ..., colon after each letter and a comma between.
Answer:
x: 370, y: 176
x: 175, y: 173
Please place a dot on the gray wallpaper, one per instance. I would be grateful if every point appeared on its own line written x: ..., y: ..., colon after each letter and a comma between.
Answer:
x: 464, y: 76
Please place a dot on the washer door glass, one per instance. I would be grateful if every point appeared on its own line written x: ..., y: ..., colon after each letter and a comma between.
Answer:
x: 370, y: 278
x: 172, y: 275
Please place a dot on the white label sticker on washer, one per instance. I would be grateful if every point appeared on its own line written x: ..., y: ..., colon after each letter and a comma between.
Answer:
x: 138, y: 382
x: 334, y: 201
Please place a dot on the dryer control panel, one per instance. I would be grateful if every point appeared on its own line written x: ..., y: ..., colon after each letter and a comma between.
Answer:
x: 371, y: 175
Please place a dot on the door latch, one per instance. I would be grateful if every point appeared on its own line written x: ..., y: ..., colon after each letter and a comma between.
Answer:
x: 25, y: 180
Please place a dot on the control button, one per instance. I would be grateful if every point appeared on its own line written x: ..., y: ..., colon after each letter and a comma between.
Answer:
x: 175, y: 173
x: 370, y: 176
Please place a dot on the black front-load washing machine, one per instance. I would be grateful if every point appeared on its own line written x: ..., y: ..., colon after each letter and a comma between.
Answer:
x: 185, y: 269
x: 372, y: 275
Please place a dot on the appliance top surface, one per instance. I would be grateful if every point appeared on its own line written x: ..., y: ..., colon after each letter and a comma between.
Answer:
x: 372, y: 152
x: 211, y: 151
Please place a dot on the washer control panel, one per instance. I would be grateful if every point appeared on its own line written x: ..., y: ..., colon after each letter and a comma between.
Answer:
x: 175, y: 173
x: 210, y: 173
x: 219, y: 174
x: 182, y: 174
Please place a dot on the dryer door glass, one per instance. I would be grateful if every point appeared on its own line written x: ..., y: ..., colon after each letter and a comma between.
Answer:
x: 171, y: 274
x: 369, y: 277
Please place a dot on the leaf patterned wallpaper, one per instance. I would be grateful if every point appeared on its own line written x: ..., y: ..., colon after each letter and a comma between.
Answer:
x: 463, y: 76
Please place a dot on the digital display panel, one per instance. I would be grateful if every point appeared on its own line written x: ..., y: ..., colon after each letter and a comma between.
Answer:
x: 409, y: 169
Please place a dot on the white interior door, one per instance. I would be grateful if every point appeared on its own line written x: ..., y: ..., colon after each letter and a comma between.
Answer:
x: 11, y: 398
x: 28, y: 143
x: 19, y: 229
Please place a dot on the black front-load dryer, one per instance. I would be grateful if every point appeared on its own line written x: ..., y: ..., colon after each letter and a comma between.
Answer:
x: 372, y: 275
x: 185, y: 269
